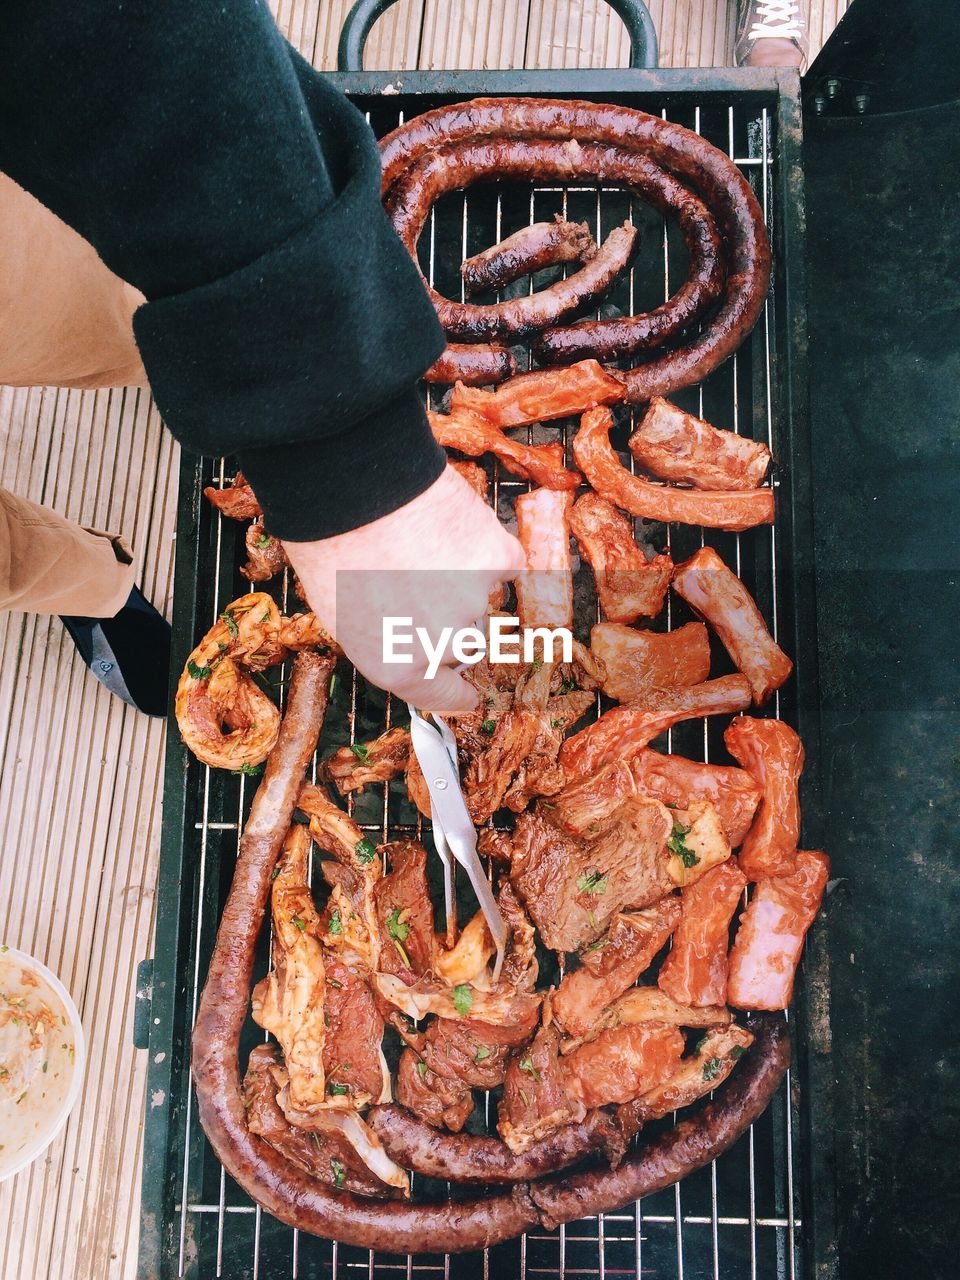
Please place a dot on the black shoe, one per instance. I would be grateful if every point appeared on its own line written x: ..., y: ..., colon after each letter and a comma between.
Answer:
x: 128, y: 653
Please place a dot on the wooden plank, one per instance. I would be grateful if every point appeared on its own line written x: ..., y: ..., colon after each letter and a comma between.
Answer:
x: 84, y: 825
x: 314, y: 29
x: 485, y: 34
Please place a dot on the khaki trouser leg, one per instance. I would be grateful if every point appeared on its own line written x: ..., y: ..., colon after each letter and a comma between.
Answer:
x: 48, y: 565
x: 65, y: 320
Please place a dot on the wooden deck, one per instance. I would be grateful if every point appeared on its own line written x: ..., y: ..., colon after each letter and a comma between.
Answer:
x: 80, y: 774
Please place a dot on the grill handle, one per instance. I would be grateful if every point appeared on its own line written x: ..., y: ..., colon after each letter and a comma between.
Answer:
x: 359, y: 22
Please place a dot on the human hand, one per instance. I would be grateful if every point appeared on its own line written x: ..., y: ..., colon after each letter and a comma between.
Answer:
x: 435, y: 560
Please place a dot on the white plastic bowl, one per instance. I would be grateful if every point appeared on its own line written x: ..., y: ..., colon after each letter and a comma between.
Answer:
x: 30, y: 1124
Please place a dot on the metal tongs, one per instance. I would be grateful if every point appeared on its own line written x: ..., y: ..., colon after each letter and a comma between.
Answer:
x: 454, y: 834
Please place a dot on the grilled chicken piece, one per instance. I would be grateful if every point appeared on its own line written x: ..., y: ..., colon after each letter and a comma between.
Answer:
x: 224, y: 718
x: 582, y: 807
x: 615, y: 962
x: 628, y: 584
x: 540, y: 774
x: 495, y: 843
x: 622, y: 731
x: 541, y: 395
x: 416, y: 784
x: 430, y: 995
x: 324, y: 1152
x: 236, y: 500
x: 355, y: 767
x: 356, y: 1070
x: 489, y: 773
x: 290, y: 1001
x: 678, y: 782
x: 767, y: 949
x: 622, y: 1063
x: 573, y: 887
x: 773, y: 755
x: 695, y: 969
x: 545, y: 590
x: 706, y: 1068
x: 535, y: 1098
x: 473, y: 434
x: 696, y: 843
x: 445, y: 1104
x: 306, y: 631
x: 677, y: 446
x: 265, y: 555
x: 475, y: 1053
x: 468, y: 958
x: 651, y: 1005
x: 349, y: 920
x: 638, y: 664
x: 405, y: 912
x: 717, y: 594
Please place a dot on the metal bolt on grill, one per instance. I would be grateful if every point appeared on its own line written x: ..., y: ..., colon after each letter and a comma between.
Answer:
x: 738, y: 1219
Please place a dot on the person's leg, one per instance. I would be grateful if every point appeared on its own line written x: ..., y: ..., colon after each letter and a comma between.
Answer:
x: 770, y: 33
x: 48, y: 565
x: 65, y: 319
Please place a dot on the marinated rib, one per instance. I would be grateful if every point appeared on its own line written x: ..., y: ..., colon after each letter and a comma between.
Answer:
x: 622, y: 1063
x: 628, y: 584
x: 677, y: 446
x: 765, y: 955
x: 545, y: 590
x: 475, y: 435
x: 638, y: 663
x: 717, y: 594
x: 612, y: 964
x: 542, y: 395
x: 622, y: 731
x: 676, y: 781
x: 595, y: 456
x: 773, y: 755
x: 695, y: 969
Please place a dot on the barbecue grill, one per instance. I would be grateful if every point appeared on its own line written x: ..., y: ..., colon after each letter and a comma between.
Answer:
x: 764, y: 1209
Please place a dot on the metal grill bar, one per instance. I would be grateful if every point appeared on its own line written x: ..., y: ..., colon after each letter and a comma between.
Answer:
x: 730, y: 1224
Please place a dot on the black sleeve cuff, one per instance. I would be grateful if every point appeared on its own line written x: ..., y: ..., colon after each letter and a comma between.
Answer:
x: 306, y: 341
x: 326, y: 487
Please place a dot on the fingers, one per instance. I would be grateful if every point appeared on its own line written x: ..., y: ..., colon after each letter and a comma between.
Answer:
x: 447, y: 694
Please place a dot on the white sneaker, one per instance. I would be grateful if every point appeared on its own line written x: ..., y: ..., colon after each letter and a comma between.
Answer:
x: 770, y: 33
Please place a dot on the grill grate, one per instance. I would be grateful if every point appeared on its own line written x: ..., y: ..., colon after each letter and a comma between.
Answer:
x: 739, y: 1218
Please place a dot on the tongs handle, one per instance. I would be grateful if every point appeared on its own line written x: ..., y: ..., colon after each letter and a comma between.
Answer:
x: 454, y: 834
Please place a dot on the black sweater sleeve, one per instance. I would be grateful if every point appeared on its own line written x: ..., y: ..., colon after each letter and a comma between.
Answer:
x: 214, y: 169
